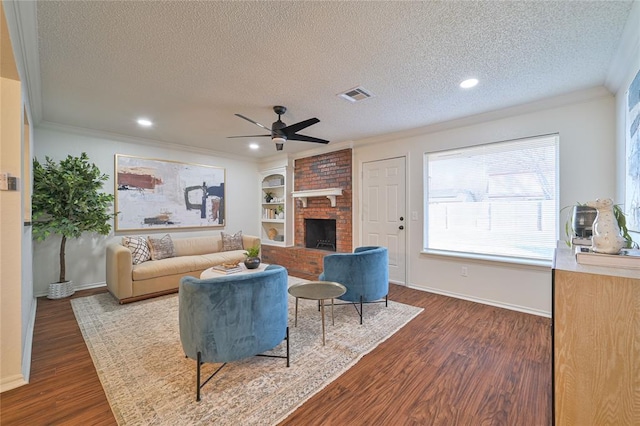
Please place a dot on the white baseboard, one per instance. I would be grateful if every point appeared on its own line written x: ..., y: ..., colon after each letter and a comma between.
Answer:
x: 80, y: 287
x: 485, y: 301
x: 12, y: 382
x: 28, y: 343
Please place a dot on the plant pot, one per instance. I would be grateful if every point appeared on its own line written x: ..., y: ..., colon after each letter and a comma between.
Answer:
x: 60, y: 290
x: 252, y: 262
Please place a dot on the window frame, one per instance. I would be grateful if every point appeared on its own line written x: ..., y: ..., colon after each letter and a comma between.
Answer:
x: 504, y: 258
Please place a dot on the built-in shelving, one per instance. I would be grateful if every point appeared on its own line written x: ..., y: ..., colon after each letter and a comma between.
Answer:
x: 275, y: 200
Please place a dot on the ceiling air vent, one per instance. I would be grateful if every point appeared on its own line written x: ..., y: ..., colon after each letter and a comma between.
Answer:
x: 356, y: 94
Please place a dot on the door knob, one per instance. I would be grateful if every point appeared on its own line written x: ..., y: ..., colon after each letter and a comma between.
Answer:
x: 401, y: 227
x: 401, y: 218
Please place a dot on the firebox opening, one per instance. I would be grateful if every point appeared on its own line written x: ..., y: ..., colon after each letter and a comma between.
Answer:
x: 320, y: 234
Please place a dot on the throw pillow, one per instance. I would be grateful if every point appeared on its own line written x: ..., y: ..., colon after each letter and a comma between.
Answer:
x: 232, y: 242
x: 161, y: 248
x: 139, y: 249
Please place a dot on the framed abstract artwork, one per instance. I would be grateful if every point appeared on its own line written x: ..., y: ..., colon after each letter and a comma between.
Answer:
x: 632, y: 139
x: 162, y: 194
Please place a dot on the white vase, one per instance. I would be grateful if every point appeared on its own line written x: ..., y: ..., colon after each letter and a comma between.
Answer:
x: 606, y: 232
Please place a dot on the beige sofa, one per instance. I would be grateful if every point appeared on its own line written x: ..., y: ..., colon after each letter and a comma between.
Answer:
x: 129, y: 282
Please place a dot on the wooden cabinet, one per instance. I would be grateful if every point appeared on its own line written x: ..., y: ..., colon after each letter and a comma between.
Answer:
x: 275, y: 201
x: 596, y: 344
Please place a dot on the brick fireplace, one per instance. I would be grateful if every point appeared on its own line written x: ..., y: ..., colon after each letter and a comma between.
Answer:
x: 331, y: 170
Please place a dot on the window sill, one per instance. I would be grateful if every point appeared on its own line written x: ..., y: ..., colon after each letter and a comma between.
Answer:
x: 537, y: 263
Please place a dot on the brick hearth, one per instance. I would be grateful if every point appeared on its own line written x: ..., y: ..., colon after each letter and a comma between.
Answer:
x: 332, y: 170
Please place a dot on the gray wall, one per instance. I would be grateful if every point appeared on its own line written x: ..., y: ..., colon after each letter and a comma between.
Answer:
x: 585, y: 122
x: 86, y: 255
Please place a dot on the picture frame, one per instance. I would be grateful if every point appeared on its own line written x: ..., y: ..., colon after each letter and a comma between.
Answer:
x: 632, y: 153
x: 160, y: 194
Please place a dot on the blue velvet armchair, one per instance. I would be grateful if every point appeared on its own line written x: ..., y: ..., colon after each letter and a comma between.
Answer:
x: 231, y: 317
x: 365, y: 274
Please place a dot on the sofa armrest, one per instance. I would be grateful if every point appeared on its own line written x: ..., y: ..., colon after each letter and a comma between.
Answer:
x: 119, y: 271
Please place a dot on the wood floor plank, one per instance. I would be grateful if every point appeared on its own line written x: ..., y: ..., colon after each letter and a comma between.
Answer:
x: 456, y: 363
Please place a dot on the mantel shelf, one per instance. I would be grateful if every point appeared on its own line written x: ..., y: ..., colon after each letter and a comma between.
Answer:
x: 330, y: 193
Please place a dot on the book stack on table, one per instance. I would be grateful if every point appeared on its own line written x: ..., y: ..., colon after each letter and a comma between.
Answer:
x: 228, y: 269
x: 627, y: 258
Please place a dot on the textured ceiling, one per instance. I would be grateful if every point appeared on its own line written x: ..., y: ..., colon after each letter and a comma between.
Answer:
x: 189, y: 66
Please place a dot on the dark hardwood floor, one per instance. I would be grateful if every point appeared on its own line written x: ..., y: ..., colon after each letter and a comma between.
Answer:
x: 457, y: 363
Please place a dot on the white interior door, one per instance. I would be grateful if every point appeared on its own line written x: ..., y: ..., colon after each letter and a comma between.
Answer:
x: 384, y: 217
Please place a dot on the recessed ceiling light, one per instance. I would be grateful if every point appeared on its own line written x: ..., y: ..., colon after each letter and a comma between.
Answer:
x: 145, y: 122
x: 254, y: 146
x: 469, y: 83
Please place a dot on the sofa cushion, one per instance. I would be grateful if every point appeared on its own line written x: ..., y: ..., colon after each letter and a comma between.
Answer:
x: 183, y: 264
x: 233, y: 256
x: 231, y: 241
x: 139, y: 249
x: 197, y: 245
x: 168, y: 266
x: 161, y: 248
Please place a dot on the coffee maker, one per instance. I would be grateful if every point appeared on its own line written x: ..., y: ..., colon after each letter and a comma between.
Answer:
x: 582, y: 224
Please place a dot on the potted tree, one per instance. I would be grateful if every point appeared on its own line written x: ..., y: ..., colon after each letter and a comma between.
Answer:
x: 66, y: 200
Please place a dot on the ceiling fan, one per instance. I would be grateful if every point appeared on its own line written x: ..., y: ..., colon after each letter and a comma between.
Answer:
x: 280, y: 132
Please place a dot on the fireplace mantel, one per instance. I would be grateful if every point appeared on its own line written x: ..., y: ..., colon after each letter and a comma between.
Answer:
x: 330, y: 193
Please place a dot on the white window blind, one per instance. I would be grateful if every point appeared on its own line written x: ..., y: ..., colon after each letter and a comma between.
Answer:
x: 498, y: 199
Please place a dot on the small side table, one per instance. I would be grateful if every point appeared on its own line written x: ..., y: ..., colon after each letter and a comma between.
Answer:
x: 320, y: 291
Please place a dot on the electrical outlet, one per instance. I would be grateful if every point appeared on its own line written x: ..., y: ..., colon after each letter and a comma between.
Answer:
x: 4, y: 181
x: 464, y: 271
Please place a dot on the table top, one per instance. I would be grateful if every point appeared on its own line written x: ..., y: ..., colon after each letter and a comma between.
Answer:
x: 212, y: 273
x: 317, y: 290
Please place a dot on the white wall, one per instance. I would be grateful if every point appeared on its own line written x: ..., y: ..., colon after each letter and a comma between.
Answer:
x: 585, y: 122
x: 86, y: 255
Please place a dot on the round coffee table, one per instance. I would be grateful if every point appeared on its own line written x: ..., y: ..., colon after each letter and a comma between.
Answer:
x: 320, y: 291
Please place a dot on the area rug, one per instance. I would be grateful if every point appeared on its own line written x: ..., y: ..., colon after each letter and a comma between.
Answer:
x: 148, y: 381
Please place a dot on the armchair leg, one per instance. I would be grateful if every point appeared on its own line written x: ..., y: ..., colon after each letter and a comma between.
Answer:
x: 359, y: 311
x: 362, y: 303
x: 287, y: 356
x: 198, y: 364
x: 287, y: 347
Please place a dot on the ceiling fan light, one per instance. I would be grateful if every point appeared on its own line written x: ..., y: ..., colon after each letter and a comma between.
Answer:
x: 278, y: 140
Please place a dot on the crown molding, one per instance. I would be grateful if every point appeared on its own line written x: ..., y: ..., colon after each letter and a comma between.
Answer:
x: 628, y: 51
x: 23, y: 27
x: 46, y: 125
x: 530, y: 107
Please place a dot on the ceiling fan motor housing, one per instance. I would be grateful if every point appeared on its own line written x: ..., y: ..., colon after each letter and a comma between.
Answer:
x: 276, y: 129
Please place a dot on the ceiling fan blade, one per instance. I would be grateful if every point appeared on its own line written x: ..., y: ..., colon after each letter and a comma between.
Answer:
x: 292, y: 129
x: 254, y: 122
x: 304, y: 138
x: 247, y: 136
